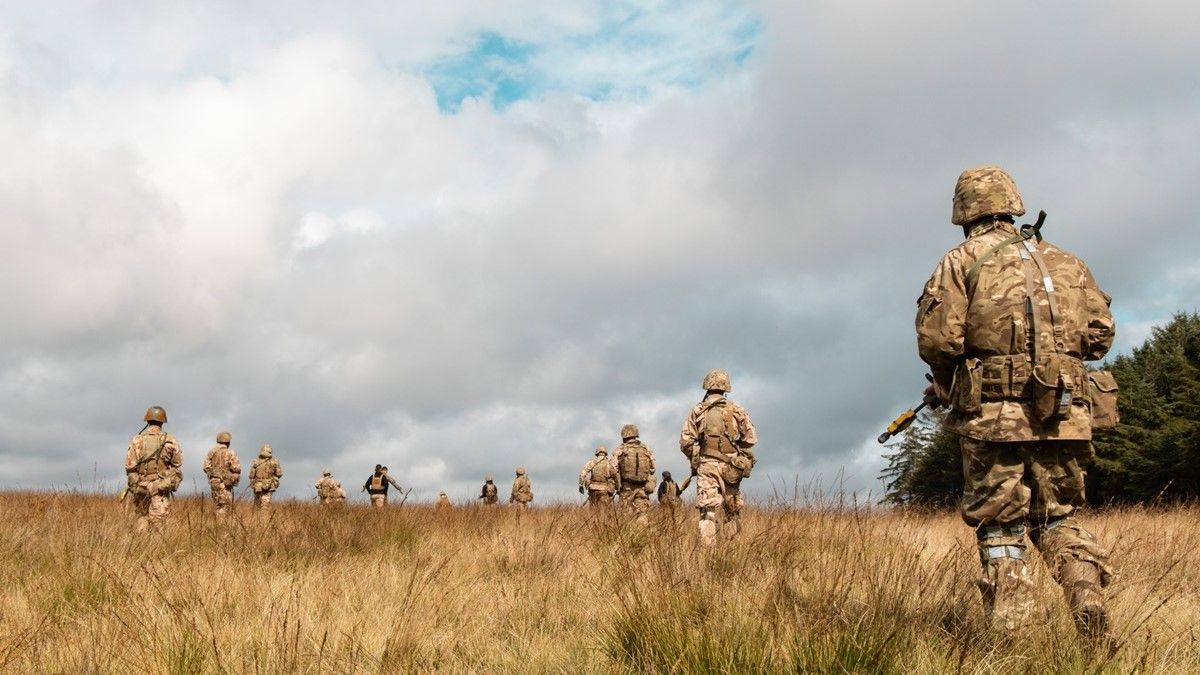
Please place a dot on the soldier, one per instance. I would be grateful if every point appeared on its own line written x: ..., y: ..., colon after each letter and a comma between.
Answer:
x: 329, y: 490
x: 668, y: 492
x: 153, y: 469
x: 265, y: 473
x: 490, y: 494
x: 224, y: 471
x: 598, y: 479
x: 1005, y: 323
x: 718, y: 439
x: 522, y: 490
x: 635, y: 473
x: 443, y: 501
x: 377, y: 486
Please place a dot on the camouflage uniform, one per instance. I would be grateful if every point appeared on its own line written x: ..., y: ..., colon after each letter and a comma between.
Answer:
x: 522, y: 490
x: 265, y: 473
x: 443, y: 501
x: 1020, y: 397
x: 224, y: 471
x: 490, y: 494
x: 718, y: 439
x: 377, y: 486
x: 632, y: 458
x: 668, y: 492
x: 599, y: 479
x: 329, y: 490
x: 153, y: 469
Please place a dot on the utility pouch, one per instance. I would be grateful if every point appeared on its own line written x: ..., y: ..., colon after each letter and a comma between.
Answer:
x: 966, y: 392
x: 1054, y: 388
x: 1102, y: 388
x: 730, y: 474
x: 743, y: 464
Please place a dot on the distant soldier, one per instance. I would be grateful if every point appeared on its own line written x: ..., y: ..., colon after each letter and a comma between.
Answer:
x: 718, y: 439
x: 635, y: 472
x: 153, y: 468
x: 598, y: 479
x: 330, y: 491
x: 377, y: 486
x: 522, y: 490
x: 668, y: 492
x: 443, y: 501
x: 490, y: 494
x: 1005, y: 323
x: 224, y: 471
x: 265, y: 473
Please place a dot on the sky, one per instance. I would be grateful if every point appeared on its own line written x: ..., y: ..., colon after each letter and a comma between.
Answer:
x: 459, y: 237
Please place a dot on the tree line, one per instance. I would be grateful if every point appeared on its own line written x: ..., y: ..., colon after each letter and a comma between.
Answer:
x: 1153, y: 455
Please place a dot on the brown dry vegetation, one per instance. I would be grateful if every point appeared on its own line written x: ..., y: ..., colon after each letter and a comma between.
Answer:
x: 556, y: 590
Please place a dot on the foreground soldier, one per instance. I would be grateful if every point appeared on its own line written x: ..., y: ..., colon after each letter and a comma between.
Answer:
x: 598, y: 479
x: 1005, y: 324
x: 718, y: 439
x: 224, y: 471
x: 153, y: 470
x: 668, y: 492
x: 377, y: 486
x: 490, y: 494
x: 265, y: 473
x: 522, y: 490
x: 635, y: 472
x: 330, y: 491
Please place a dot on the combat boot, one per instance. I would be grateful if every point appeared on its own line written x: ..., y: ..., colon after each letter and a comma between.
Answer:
x: 1007, y: 590
x: 708, y: 526
x: 1081, y: 587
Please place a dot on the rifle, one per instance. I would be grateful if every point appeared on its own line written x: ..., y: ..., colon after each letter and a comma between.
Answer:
x: 121, y: 496
x: 905, y: 419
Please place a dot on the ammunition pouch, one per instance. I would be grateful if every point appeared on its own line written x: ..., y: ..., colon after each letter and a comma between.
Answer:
x: 743, y: 464
x: 1102, y: 395
x: 1005, y: 377
x: 1057, y: 382
x: 966, y: 391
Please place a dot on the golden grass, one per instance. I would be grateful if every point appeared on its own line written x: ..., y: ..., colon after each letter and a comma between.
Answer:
x: 556, y: 590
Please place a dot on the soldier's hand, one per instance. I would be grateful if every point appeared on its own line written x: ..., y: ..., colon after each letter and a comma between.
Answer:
x: 581, y: 490
x: 930, y: 395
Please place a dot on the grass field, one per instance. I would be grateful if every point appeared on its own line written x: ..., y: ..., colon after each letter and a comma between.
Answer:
x: 557, y: 589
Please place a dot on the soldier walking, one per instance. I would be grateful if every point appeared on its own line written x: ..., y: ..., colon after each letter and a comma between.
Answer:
x: 668, y: 492
x: 635, y: 473
x: 522, y: 490
x: 490, y: 494
x: 718, y: 439
x: 330, y: 491
x: 443, y: 501
x: 265, y: 473
x: 598, y: 479
x: 224, y: 471
x: 153, y: 469
x: 1005, y: 323
x: 377, y: 486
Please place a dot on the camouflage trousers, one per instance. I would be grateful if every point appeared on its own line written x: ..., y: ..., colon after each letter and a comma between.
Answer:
x: 714, y: 492
x: 1012, y: 489
x: 151, y: 510
x: 600, y: 497
x: 262, y: 500
x: 379, y: 501
x: 221, y: 495
x: 635, y: 499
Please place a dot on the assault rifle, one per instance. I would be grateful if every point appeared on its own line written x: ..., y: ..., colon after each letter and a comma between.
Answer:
x: 905, y: 419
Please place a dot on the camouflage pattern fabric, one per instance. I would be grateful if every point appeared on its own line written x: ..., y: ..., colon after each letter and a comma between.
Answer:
x: 630, y: 448
x: 522, y: 491
x: 599, y: 475
x: 636, y: 500
x: 378, y: 500
x: 714, y: 493
x: 153, y: 478
x: 224, y: 470
x: 264, y: 479
x: 330, y: 491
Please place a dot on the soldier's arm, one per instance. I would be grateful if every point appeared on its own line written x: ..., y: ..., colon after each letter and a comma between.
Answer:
x: 747, y: 434
x: 941, y: 321
x: 173, y: 452
x: 131, y: 458
x: 235, y: 465
x: 583, y: 475
x: 278, y: 470
x: 690, y: 433
x: 394, y: 483
x: 1101, y: 328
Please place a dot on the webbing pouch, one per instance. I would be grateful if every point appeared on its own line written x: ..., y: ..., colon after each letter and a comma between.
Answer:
x: 1102, y: 390
x: 966, y: 392
x: 1055, y: 385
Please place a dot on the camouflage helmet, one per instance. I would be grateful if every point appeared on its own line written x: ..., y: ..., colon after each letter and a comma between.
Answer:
x: 985, y: 191
x: 629, y: 431
x: 327, y: 472
x: 717, y: 380
x: 265, y: 450
x: 224, y: 437
x: 487, y: 478
x: 601, y: 451
x: 156, y: 413
x: 520, y: 471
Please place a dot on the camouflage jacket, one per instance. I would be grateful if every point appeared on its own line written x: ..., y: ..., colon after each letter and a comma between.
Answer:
x: 223, y: 464
x: 522, y: 490
x: 265, y: 473
x: 626, y: 448
x: 588, y: 478
x: 693, y: 427
x: 143, y: 468
x: 978, y: 340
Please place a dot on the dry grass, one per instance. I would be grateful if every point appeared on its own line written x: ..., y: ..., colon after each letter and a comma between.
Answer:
x: 558, y: 590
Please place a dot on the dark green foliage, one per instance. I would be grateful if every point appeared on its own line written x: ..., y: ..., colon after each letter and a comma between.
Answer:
x: 925, y: 467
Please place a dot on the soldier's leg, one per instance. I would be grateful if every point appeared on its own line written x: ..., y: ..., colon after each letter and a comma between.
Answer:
x: 141, y: 510
x: 264, y: 500
x: 996, y: 504
x: 1076, y: 559
x: 733, y: 508
x: 709, y: 497
x: 159, y: 509
x: 377, y: 501
x: 641, y: 505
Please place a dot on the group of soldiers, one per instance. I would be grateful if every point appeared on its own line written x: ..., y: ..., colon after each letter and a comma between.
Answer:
x: 1005, y: 323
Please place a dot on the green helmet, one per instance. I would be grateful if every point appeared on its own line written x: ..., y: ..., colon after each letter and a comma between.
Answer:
x: 629, y: 431
x: 985, y: 191
x: 717, y: 380
x: 156, y: 413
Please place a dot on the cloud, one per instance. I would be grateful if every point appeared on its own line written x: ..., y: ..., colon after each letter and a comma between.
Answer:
x: 273, y: 221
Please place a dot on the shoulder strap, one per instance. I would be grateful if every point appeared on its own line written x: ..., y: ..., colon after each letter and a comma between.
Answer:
x: 1027, y: 232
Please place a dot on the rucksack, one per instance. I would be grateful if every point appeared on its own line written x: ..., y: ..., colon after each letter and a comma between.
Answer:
x: 635, y: 464
x: 602, y: 472
x: 717, y: 439
x: 376, y: 482
x: 489, y: 490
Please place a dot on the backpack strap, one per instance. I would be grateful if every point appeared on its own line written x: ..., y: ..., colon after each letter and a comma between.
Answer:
x: 1027, y: 232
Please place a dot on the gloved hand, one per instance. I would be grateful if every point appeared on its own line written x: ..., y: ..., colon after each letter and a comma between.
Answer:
x: 581, y: 490
x: 930, y: 395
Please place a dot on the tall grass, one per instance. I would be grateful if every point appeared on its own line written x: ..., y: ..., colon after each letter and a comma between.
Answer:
x: 841, y: 588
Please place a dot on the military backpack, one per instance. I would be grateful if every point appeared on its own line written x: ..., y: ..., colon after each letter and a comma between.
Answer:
x: 635, y: 464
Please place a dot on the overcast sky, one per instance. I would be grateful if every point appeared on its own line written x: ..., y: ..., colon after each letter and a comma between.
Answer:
x: 456, y: 237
